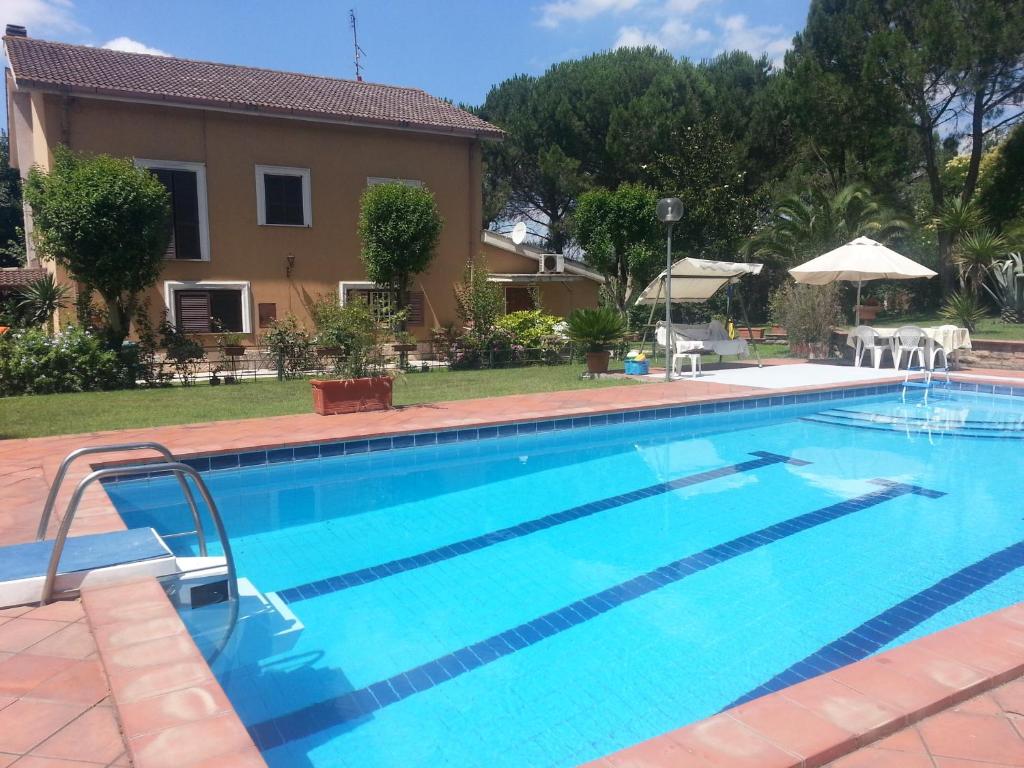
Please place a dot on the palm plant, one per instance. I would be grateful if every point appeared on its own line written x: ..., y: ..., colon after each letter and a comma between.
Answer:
x: 42, y: 298
x: 807, y: 225
x: 963, y: 308
x: 595, y: 329
x: 959, y: 218
x: 975, y: 253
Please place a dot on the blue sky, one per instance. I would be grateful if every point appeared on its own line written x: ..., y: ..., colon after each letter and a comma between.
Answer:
x: 456, y: 48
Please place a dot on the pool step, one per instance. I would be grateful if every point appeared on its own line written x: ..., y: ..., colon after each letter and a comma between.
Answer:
x: 915, y: 425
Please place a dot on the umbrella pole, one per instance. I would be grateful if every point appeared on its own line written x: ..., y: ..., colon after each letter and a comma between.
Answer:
x: 746, y: 320
x: 856, y: 308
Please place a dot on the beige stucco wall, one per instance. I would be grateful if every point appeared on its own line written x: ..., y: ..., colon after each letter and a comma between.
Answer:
x: 555, y: 298
x: 340, y: 159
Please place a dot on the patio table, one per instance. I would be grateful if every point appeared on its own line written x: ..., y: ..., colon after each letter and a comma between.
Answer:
x: 950, y: 338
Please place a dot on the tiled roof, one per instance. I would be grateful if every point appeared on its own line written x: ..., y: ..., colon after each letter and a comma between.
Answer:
x: 17, y: 277
x: 99, y: 71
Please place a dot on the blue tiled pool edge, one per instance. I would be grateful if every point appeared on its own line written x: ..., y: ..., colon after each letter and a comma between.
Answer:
x: 352, y: 446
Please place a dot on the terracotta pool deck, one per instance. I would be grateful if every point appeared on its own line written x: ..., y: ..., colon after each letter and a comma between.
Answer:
x: 60, y: 663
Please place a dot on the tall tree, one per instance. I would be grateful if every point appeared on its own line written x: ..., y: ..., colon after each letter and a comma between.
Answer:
x: 105, y: 222
x: 620, y: 234
x: 11, y: 214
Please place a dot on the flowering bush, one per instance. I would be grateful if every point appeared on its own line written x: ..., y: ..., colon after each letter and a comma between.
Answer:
x: 530, y: 329
x: 33, y: 363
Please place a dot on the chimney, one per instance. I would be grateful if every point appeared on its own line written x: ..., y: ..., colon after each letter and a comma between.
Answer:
x: 16, y: 30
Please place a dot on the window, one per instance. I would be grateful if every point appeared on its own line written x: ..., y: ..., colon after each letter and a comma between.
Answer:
x: 283, y: 196
x: 518, y: 298
x: 186, y: 183
x: 267, y: 314
x: 382, y: 300
x: 373, y: 181
x: 201, y: 307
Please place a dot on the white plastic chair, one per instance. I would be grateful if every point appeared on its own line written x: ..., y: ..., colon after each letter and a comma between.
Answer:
x: 909, y: 339
x: 867, y: 339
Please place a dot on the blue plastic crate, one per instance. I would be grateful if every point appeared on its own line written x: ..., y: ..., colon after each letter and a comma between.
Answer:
x: 637, y: 368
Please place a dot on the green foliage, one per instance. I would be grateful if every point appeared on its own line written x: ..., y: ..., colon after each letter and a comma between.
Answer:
x: 807, y: 312
x: 291, y: 345
x: 808, y: 225
x: 353, y: 328
x: 963, y: 309
x: 1001, y: 193
x: 35, y: 363
x: 528, y: 328
x: 12, y: 247
x: 399, y: 227
x: 595, y: 329
x: 975, y: 253
x: 106, y: 222
x: 1007, y: 287
x: 41, y: 298
x: 183, y: 352
x: 478, y: 301
x: 621, y: 236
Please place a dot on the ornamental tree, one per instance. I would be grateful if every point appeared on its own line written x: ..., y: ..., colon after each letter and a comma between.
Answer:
x: 104, y: 221
x: 399, y: 227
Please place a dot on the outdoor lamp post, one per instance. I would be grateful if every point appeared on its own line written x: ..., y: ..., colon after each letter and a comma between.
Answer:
x: 670, y: 210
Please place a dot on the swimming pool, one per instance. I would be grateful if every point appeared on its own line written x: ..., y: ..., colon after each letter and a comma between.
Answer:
x: 546, y: 597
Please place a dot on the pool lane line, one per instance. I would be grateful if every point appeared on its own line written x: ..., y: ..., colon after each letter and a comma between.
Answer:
x: 353, y: 705
x: 890, y: 624
x: 380, y: 571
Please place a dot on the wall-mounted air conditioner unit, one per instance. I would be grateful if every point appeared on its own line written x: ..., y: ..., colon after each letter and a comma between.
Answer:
x: 552, y: 263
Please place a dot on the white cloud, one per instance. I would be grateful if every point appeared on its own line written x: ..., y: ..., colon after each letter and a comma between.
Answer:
x: 673, y: 35
x: 129, y: 45
x: 41, y: 16
x: 737, y: 34
x: 554, y: 13
x: 682, y: 6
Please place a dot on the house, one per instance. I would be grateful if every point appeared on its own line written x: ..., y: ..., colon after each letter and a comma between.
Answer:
x: 265, y: 171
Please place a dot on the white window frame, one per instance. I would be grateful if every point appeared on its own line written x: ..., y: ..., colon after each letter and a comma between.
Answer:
x: 261, y: 193
x: 204, y: 214
x: 373, y: 181
x: 345, y: 286
x: 173, y: 286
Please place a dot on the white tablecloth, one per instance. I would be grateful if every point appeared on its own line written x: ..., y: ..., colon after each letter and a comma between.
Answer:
x: 949, y: 337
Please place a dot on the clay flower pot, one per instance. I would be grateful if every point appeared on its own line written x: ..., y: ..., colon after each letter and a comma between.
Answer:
x: 234, y: 350
x: 351, y: 395
x: 597, y: 362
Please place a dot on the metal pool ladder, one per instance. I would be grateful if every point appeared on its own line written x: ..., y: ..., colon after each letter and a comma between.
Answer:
x: 169, y: 464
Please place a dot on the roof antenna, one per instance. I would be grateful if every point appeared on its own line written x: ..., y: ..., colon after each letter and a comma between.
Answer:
x: 355, y: 43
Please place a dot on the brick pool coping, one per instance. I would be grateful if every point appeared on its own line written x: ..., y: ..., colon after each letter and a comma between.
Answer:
x: 167, y: 700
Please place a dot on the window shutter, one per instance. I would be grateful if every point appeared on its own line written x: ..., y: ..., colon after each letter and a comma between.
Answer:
x: 185, y: 196
x: 416, y: 308
x: 166, y: 178
x: 282, y: 198
x: 193, y: 311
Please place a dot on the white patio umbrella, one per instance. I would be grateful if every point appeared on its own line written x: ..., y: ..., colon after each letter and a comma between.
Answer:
x: 859, y: 261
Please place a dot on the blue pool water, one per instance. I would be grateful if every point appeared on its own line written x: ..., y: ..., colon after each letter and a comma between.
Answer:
x: 544, y: 599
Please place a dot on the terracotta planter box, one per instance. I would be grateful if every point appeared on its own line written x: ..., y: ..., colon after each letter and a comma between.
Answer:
x: 869, y: 312
x: 750, y: 333
x: 233, y: 350
x: 333, y: 396
x: 810, y: 350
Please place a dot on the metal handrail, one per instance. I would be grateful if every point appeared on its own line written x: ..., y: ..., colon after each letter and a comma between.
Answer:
x: 58, y: 480
x: 128, y: 471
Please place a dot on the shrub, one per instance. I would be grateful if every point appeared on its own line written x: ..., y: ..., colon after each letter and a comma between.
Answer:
x: 184, y: 352
x: 42, y: 298
x: 291, y: 345
x: 478, y: 301
x: 34, y: 363
x: 355, y: 329
x: 809, y: 313
x: 964, y: 309
x: 528, y: 328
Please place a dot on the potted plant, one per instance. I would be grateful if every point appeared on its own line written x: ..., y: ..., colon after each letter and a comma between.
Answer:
x: 868, y: 311
x: 809, y: 313
x: 230, y: 344
x: 366, y: 386
x: 595, y: 330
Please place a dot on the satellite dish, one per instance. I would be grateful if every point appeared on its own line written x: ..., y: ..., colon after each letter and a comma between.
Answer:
x: 519, y: 232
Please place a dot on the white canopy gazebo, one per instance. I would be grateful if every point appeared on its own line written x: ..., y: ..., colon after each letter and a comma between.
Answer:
x: 859, y: 261
x: 695, y: 280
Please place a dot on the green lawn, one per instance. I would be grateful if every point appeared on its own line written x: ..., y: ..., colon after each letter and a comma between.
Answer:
x: 989, y: 328
x: 39, y: 415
